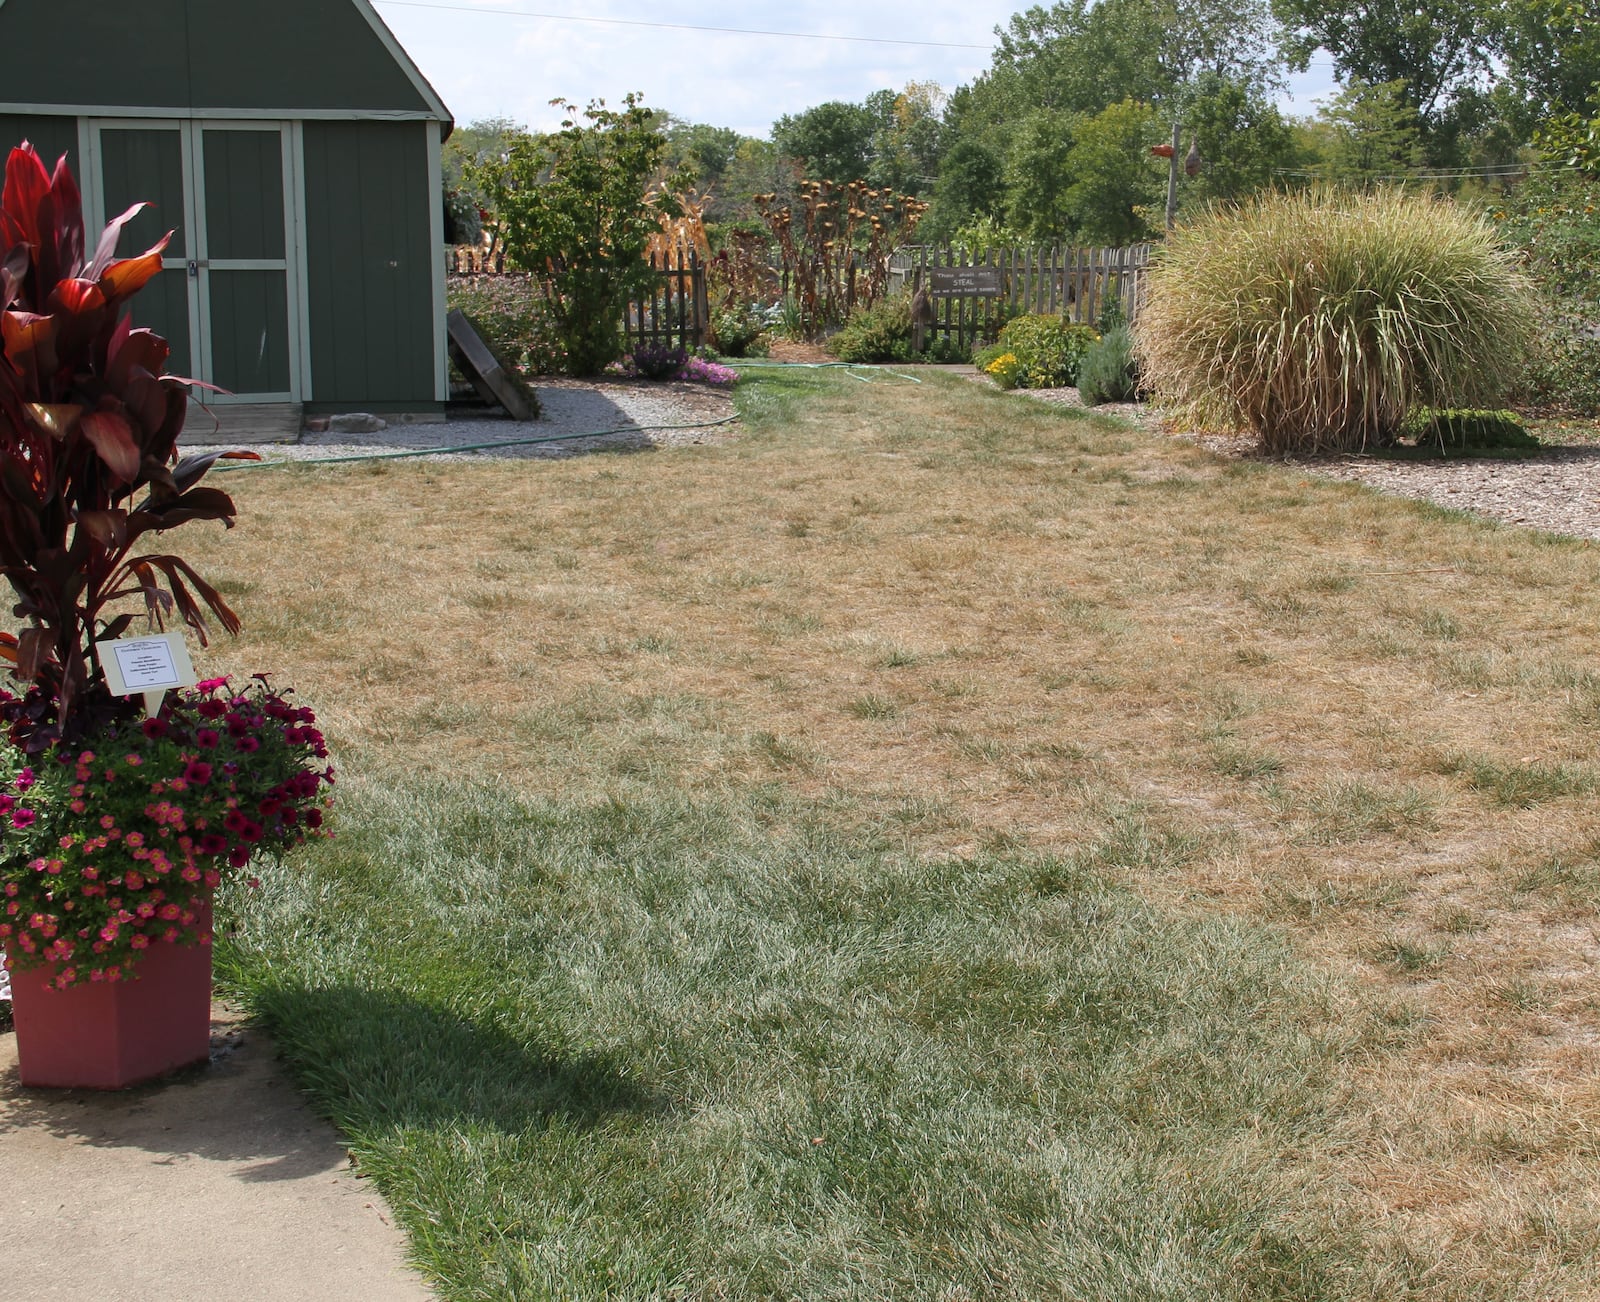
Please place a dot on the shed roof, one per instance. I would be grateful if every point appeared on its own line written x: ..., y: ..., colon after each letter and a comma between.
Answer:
x: 209, y: 58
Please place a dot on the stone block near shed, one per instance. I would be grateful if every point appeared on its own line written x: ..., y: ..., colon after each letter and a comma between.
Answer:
x: 356, y: 422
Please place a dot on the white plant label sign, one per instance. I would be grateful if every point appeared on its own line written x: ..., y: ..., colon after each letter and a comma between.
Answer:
x: 149, y: 665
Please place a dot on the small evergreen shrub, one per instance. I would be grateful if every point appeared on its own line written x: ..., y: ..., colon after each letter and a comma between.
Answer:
x: 1047, y: 348
x: 880, y: 333
x: 1466, y: 432
x: 1317, y: 320
x: 1108, y: 372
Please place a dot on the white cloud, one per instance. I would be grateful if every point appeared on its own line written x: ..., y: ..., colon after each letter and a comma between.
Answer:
x: 499, y: 65
x: 491, y: 65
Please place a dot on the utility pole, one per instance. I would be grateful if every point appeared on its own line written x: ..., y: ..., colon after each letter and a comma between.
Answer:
x: 1172, y: 176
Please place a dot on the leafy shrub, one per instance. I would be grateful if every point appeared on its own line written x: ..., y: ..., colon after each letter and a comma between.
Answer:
x: 878, y: 333
x: 1317, y: 320
x: 513, y: 320
x: 740, y: 332
x: 944, y: 349
x: 1048, y: 349
x: 578, y: 205
x: 1004, y: 369
x: 1108, y: 372
x: 1550, y: 220
x: 1564, y: 373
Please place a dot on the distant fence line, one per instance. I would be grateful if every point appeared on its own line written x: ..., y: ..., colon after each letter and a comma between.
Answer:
x: 674, y: 314
x: 965, y: 290
x: 963, y: 295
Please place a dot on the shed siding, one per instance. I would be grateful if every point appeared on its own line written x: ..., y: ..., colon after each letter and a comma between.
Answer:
x: 51, y: 136
x: 370, y: 258
x: 203, y: 54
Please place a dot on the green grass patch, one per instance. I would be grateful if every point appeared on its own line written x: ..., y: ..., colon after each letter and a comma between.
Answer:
x: 656, y: 1048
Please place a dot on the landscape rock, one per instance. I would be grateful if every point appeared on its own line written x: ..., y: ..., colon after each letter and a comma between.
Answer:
x: 356, y: 422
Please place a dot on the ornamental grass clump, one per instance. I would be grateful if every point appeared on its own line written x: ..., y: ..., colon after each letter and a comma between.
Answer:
x: 1316, y: 321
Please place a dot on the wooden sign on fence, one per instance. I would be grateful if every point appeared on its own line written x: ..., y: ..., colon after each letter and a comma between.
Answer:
x: 965, y: 282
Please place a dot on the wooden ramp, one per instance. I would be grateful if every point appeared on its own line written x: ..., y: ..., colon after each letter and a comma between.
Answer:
x: 478, y: 364
x: 242, y: 422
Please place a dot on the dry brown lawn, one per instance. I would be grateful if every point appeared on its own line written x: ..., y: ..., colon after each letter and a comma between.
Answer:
x: 973, y: 619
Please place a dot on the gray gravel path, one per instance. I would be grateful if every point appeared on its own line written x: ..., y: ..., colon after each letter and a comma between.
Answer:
x: 577, y: 417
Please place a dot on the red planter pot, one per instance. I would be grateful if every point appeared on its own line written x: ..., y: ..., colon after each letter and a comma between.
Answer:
x: 108, y: 1036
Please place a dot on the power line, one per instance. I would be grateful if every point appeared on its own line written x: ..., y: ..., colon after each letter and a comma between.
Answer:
x: 1518, y: 169
x: 677, y: 27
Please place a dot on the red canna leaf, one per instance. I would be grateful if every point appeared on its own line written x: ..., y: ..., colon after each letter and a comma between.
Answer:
x: 112, y: 437
x: 132, y: 349
x: 27, y: 185
x: 108, y: 528
x: 68, y: 233
x: 126, y: 278
x: 33, y: 645
x: 77, y: 297
x: 58, y: 420
x: 189, y: 471
x: 107, y: 251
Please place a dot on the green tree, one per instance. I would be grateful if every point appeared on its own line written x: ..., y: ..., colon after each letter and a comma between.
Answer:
x: 1432, y: 51
x: 1552, y: 54
x: 1373, y: 132
x: 461, y: 161
x: 970, y: 188
x: 1037, y: 176
x: 1243, y: 140
x: 702, y: 152
x: 832, y: 142
x: 572, y: 209
x: 1116, y: 186
x: 907, y: 137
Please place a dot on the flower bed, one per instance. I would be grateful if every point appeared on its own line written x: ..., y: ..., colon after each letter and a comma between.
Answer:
x: 114, y: 844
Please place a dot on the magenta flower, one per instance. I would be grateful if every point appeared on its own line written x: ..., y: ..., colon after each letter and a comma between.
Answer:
x: 197, y: 773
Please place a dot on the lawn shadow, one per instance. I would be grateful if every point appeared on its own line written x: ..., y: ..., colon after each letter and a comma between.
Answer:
x: 238, y: 1110
x: 382, y: 1058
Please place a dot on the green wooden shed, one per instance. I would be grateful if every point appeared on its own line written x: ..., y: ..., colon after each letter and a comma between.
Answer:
x: 293, y: 147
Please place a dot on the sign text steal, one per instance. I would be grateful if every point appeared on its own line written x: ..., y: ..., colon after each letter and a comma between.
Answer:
x: 965, y: 282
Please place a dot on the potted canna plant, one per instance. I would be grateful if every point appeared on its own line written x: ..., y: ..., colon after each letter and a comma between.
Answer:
x: 116, y: 821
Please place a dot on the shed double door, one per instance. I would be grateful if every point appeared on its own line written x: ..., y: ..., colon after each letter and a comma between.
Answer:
x: 228, y: 296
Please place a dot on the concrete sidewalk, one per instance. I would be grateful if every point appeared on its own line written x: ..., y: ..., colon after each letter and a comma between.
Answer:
x: 220, y: 1183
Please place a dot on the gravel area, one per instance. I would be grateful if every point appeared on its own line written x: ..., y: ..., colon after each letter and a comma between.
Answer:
x: 1558, y: 490
x: 577, y: 417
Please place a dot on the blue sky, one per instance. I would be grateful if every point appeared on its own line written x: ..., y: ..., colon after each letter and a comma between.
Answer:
x: 487, y: 60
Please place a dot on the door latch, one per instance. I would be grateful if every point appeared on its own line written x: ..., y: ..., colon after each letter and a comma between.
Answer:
x: 194, y: 269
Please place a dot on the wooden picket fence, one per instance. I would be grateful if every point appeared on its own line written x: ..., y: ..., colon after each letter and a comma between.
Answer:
x: 968, y: 295
x: 674, y: 314
x: 677, y: 312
